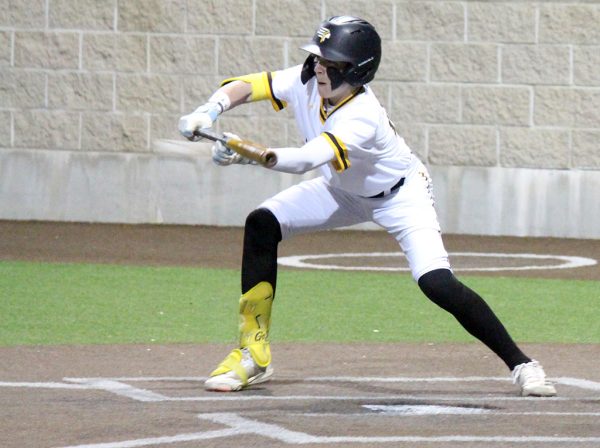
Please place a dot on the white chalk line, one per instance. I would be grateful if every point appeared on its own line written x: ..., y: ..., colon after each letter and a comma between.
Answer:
x: 567, y: 381
x: 240, y: 398
x: 568, y: 262
x: 180, y: 438
x: 120, y: 387
x: 492, y: 412
x: 42, y: 385
x: 238, y: 425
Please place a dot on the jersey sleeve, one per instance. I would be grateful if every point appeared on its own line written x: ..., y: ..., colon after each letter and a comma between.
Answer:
x: 351, y: 136
x: 287, y: 85
x: 341, y: 161
x: 311, y: 155
x: 262, y: 87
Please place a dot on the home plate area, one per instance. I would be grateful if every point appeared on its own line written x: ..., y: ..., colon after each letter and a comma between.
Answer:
x: 353, y: 410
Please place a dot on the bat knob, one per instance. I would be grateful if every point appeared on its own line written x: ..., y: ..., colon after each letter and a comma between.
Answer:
x: 270, y: 159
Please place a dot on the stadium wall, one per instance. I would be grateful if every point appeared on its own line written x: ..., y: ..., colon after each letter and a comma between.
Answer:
x: 500, y: 99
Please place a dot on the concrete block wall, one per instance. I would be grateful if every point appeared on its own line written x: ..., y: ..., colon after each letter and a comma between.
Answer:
x: 474, y: 84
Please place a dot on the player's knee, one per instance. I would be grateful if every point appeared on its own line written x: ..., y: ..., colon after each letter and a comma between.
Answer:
x: 442, y: 288
x: 263, y: 222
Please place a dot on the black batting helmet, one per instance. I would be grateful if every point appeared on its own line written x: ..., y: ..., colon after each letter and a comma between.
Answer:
x: 351, y: 40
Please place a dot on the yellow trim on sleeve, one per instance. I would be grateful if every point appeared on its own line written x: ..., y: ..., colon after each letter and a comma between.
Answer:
x: 262, y: 88
x: 341, y: 162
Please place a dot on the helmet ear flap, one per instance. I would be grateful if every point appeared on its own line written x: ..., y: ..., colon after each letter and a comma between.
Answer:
x: 308, y: 69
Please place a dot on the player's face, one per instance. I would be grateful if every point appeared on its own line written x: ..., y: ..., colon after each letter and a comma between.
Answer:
x: 324, y: 83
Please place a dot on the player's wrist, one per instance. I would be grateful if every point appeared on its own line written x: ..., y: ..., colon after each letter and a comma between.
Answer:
x: 220, y: 101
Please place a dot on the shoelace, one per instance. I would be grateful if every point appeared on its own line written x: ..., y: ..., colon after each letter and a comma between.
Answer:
x: 528, y: 371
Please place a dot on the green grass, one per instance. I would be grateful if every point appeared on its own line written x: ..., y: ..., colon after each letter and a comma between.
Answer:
x: 42, y: 303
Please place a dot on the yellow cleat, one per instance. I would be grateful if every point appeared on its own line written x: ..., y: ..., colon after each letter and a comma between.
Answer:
x: 237, y: 371
x: 251, y: 363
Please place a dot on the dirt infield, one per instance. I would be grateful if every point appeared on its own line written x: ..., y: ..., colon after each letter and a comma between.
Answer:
x: 222, y: 247
x: 368, y: 395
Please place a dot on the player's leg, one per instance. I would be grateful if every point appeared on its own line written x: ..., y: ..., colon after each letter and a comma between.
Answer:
x: 250, y: 363
x: 410, y: 217
x: 474, y: 314
x: 310, y: 205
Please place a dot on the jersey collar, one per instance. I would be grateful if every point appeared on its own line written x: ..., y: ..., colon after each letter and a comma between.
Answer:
x: 324, y: 114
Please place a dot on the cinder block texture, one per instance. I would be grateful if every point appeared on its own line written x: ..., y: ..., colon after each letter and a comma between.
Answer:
x: 143, y: 93
x: 408, y: 64
x: 378, y: 12
x: 218, y: 17
x: 164, y: 126
x: 182, y: 54
x: 80, y: 91
x: 297, y: 20
x: 586, y: 62
x: 574, y: 23
x: 115, y: 52
x: 243, y: 55
x: 5, y: 122
x: 156, y: 16
x: 425, y: 103
x: 86, y: 14
x: 48, y: 50
x: 46, y: 129
x: 467, y: 145
x: 5, y: 48
x: 488, y: 83
x: 534, y: 148
x: 21, y: 14
x: 536, y: 64
x: 508, y: 22
x: 586, y: 153
x: 115, y: 132
x: 464, y: 63
x: 570, y: 108
x: 22, y: 90
x: 496, y: 105
x: 430, y: 21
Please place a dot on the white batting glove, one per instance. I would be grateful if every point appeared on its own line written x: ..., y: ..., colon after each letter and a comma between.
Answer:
x: 201, y: 118
x: 204, y: 116
x: 222, y: 155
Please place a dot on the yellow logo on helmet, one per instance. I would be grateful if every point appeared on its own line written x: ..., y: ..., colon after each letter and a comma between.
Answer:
x: 323, y: 34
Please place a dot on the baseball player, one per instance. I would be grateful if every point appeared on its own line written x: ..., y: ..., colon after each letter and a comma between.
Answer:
x: 368, y: 173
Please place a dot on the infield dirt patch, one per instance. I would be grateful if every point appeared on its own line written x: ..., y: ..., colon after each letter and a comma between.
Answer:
x: 451, y: 395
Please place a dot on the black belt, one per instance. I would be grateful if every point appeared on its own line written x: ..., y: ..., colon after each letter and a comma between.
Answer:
x: 391, y: 190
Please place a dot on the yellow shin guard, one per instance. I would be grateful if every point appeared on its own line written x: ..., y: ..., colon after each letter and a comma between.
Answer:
x: 255, y: 319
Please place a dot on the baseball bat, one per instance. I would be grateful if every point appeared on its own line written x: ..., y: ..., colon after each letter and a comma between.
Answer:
x: 248, y: 149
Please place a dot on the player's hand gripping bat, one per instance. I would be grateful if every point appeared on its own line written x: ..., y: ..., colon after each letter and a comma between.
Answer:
x: 245, y: 148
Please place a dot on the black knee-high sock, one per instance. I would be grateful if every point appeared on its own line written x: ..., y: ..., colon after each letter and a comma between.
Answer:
x: 262, y: 234
x: 471, y: 311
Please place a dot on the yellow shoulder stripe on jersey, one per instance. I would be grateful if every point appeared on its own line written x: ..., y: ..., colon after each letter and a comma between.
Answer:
x: 262, y: 88
x: 341, y: 161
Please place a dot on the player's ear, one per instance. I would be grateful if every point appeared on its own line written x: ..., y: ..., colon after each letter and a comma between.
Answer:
x: 308, y: 69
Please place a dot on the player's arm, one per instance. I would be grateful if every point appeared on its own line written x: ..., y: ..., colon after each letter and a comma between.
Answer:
x: 232, y: 93
x: 319, y: 151
x: 226, y: 97
x: 259, y: 87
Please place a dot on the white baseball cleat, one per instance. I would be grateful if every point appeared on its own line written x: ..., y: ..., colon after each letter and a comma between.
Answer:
x: 237, y: 371
x: 530, y: 376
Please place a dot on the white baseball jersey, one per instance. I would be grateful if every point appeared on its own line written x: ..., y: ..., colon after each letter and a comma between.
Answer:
x: 369, y: 155
x: 370, y: 158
